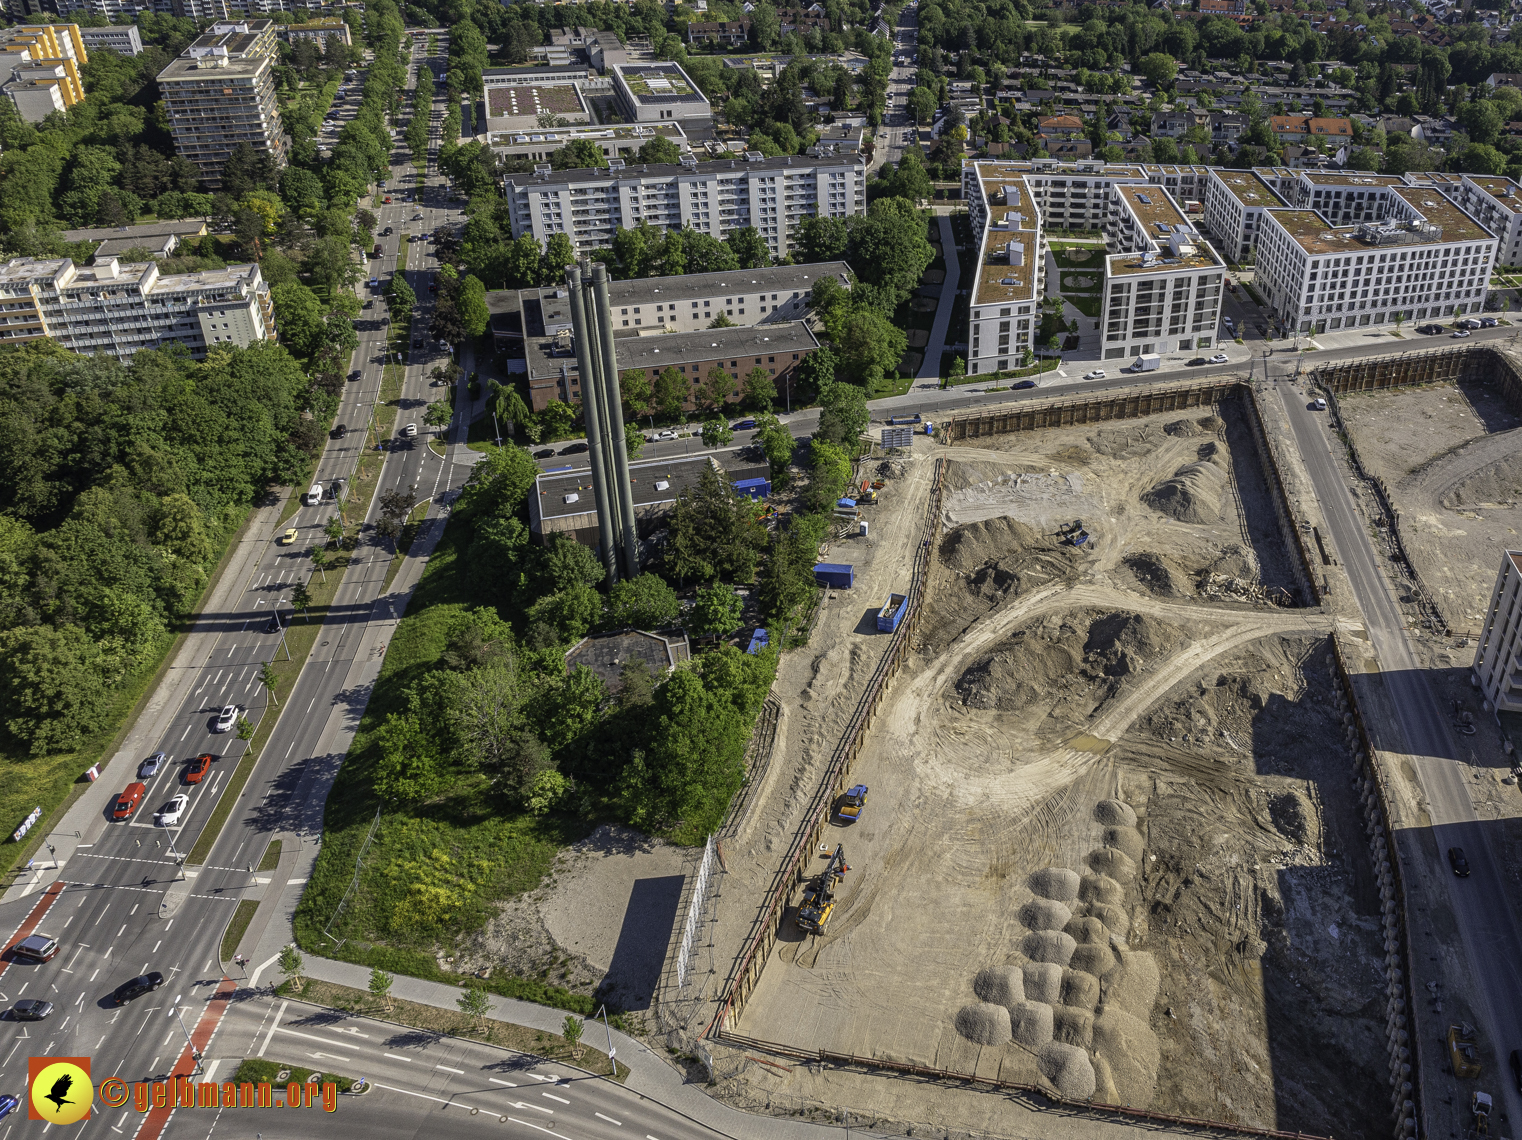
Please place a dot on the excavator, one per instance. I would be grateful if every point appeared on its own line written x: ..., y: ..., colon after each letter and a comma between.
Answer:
x: 819, y: 895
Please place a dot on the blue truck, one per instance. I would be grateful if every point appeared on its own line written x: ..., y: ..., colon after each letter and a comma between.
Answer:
x: 891, y: 614
x: 838, y: 574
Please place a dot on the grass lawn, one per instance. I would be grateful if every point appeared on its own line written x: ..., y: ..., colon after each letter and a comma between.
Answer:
x: 257, y: 1070
x: 1089, y: 258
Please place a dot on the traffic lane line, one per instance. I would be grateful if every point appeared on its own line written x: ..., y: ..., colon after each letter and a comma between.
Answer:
x: 30, y: 923
x: 206, y: 1027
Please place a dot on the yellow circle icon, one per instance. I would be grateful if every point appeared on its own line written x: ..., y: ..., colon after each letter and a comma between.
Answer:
x: 62, y: 1093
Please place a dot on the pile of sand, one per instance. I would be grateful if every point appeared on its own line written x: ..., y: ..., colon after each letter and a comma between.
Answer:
x: 1044, y: 914
x: 1001, y: 985
x: 1031, y: 1024
x: 1069, y: 1068
x: 1043, y: 982
x: 1128, y: 441
x: 1130, y: 1051
x: 1122, y: 643
x: 1193, y: 493
x: 1056, y: 883
x: 1015, y: 680
x: 1183, y: 429
x: 1498, y: 482
x: 1157, y: 574
x: 1115, y: 813
x: 1048, y: 946
x: 984, y: 1023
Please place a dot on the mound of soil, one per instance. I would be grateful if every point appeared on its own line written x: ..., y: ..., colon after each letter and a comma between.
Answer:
x: 1056, y: 883
x: 1157, y: 575
x: 1183, y: 428
x: 1031, y: 1024
x: 1043, y: 984
x: 1123, y: 643
x: 1193, y: 493
x: 1115, y: 813
x: 1498, y: 482
x: 1068, y: 1067
x: 1001, y: 985
x: 984, y: 1023
x: 1130, y: 441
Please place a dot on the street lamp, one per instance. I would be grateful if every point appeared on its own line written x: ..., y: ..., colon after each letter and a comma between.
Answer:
x: 195, y: 1054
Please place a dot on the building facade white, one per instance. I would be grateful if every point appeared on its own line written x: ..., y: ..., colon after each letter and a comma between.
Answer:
x: 118, y: 308
x: 773, y: 195
x: 123, y: 39
x: 1498, y: 657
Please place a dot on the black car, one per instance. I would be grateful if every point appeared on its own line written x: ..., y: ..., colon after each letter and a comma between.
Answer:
x: 386, y: 232
x: 1021, y: 385
x: 137, y: 987
x: 339, y: 431
x: 574, y: 449
x: 1196, y: 362
x: 547, y: 453
x: 417, y: 342
x: 354, y: 375
x: 1457, y: 861
x: 34, y: 1009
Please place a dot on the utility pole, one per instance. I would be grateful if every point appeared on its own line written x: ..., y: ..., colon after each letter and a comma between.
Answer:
x: 174, y: 1012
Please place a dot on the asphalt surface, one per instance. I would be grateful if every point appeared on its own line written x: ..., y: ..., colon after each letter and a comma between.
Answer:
x: 1487, y: 925
x: 125, y: 906
x: 425, y: 1083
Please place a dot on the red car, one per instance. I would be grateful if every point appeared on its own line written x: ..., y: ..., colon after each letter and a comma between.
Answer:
x: 128, y: 800
x: 198, y: 768
x: 388, y: 201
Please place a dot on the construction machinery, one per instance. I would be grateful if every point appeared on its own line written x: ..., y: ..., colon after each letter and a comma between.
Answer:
x: 1480, y: 1105
x: 1073, y: 533
x: 849, y: 808
x: 819, y: 895
x: 1462, y: 1052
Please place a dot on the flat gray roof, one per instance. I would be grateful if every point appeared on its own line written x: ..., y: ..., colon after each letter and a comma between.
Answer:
x: 671, y: 170
x: 151, y: 229
x: 672, y: 349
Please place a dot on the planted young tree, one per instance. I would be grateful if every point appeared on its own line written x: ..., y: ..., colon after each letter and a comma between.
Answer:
x: 334, y: 529
x: 474, y: 1004
x: 717, y: 433
x: 439, y: 414
x: 301, y: 599
x: 380, y: 986
x: 571, y: 1031
x: 268, y: 679
x: 319, y: 561
x: 290, y: 966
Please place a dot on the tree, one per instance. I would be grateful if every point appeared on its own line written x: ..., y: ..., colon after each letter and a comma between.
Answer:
x: 749, y: 247
x: 471, y: 305
x: 644, y: 602
x: 557, y: 419
x: 669, y: 392
x: 923, y: 103
x: 54, y: 686
x: 777, y: 443
x: 334, y: 529
x: 558, y: 253
x: 1159, y: 67
x: 717, y: 611
x: 290, y: 966
x: 474, y: 1004
x: 889, y: 249
x: 319, y: 558
x: 301, y: 599
x: 717, y: 433
x: 571, y: 1031
x: 499, y: 483
x: 843, y: 414
x: 714, y: 533
x: 635, y: 388
x: 438, y: 414
x: 829, y: 473
x: 299, y: 317
x: 760, y: 390
x: 721, y: 321
x: 634, y: 441
x: 717, y: 387
x: 399, y: 296
x: 579, y: 154
x: 659, y: 149
x: 380, y: 985
x: 868, y: 346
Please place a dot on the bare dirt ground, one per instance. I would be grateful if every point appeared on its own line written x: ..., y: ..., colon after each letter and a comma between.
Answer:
x: 1452, y: 458
x: 1111, y: 847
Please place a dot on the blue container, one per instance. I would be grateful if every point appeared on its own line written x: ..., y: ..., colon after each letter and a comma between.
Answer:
x: 838, y: 574
x: 758, y: 641
x: 891, y: 614
x: 845, y: 502
x: 753, y: 489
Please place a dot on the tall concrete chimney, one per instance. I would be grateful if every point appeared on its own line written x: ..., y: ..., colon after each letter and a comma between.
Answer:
x: 614, y: 421
x: 587, y: 366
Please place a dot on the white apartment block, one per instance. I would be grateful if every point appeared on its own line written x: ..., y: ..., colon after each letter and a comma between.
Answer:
x: 1496, y: 203
x: 119, y: 308
x: 1161, y: 292
x: 1427, y: 259
x: 124, y: 39
x: 221, y: 92
x: 1498, y: 658
x: 773, y: 195
x: 1234, y: 205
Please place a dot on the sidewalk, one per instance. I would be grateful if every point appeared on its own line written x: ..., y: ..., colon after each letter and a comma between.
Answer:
x: 930, y: 366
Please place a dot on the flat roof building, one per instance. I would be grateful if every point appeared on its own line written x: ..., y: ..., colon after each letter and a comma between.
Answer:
x: 118, y: 308
x: 656, y: 92
x: 320, y: 32
x: 124, y: 39
x: 159, y: 238
x: 773, y: 195
x: 41, y: 68
x: 221, y: 92
x: 1498, y: 657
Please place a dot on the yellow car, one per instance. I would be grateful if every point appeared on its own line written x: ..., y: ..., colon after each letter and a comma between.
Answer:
x: 288, y: 537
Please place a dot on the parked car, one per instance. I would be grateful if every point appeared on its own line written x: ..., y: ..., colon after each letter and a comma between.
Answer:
x: 196, y: 770
x: 574, y: 449
x: 1318, y: 404
x: 1021, y: 385
x: 1196, y: 362
x: 31, y: 1009
x: 545, y: 453
x: 226, y: 719
x: 1219, y: 358
x: 1097, y: 374
x: 36, y: 948
x: 172, y: 812
x: 1488, y: 322
x: 1457, y: 861
x: 137, y: 987
x: 742, y: 425
x: 150, y: 767
x: 665, y: 435
x: 127, y: 802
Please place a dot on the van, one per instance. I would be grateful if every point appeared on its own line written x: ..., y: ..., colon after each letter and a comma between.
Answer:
x: 313, y: 496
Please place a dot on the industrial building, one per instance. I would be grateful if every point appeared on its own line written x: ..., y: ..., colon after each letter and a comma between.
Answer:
x: 118, y: 308
x: 773, y: 195
x: 40, y: 68
x: 1498, y: 658
x: 221, y: 92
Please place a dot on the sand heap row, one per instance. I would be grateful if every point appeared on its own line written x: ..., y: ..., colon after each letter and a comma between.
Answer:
x: 1076, y: 997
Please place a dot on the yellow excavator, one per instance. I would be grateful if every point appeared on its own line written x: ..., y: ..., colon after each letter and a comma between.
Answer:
x: 819, y: 895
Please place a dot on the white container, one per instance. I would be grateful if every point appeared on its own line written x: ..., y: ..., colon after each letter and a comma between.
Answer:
x: 863, y: 530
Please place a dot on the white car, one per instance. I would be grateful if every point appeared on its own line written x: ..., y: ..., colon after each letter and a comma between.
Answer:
x: 1097, y: 374
x: 171, y: 813
x: 1218, y: 358
x: 409, y: 431
x: 665, y: 435
x: 226, y: 719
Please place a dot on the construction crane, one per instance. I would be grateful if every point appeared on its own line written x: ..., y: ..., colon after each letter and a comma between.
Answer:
x: 819, y: 895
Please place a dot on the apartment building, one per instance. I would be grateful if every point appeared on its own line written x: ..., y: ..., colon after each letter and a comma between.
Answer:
x: 647, y: 306
x: 657, y: 92
x: 124, y: 39
x: 1164, y: 295
x: 1234, y: 205
x: 779, y: 349
x: 1428, y: 259
x: 773, y: 195
x: 40, y: 68
x: 221, y: 92
x: 1299, y: 128
x: 1004, y: 308
x: 321, y: 32
x: 620, y: 142
x: 1498, y: 657
x: 1495, y: 202
x: 119, y: 308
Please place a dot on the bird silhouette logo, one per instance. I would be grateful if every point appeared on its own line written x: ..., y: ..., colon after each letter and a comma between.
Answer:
x: 61, y: 1089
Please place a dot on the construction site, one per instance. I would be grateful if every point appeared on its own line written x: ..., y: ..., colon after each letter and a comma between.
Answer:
x: 1110, y: 847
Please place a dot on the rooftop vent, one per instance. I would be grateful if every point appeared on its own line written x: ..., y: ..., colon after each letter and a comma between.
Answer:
x: 662, y: 484
x: 615, y: 164
x: 573, y: 497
